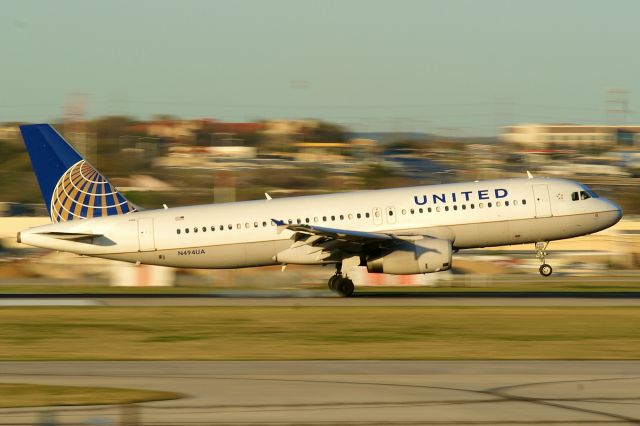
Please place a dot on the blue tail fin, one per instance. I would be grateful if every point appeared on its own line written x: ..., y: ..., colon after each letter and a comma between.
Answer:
x: 71, y: 187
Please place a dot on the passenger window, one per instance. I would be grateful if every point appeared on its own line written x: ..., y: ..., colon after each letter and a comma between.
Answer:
x: 404, y: 211
x: 315, y: 219
x: 333, y: 217
x: 480, y: 205
x: 515, y: 202
x: 506, y: 203
x: 186, y: 230
x: 222, y: 227
x: 464, y: 207
x: 195, y: 229
x: 264, y: 224
x: 446, y: 208
x: 290, y: 221
x: 230, y: 226
x: 358, y: 215
x: 473, y: 206
x: 178, y: 231
x: 429, y: 209
x: 350, y: 216
x: 367, y: 215
x: 247, y: 225
x: 438, y: 208
x: 412, y: 211
x: 524, y: 202
x: 298, y: 220
x: 213, y: 228
x: 455, y: 207
x: 324, y: 218
x: 489, y: 204
x: 204, y: 229
x: 255, y: 224
x: 306, y: 220
x: 497, y: 203
x: 420, y: 210
x: 239, y: 225
x: 390, y: 212
x: 341, y: 217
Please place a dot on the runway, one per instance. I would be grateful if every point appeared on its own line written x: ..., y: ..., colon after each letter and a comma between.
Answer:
x: 301, y: 298
x: 350, y: 392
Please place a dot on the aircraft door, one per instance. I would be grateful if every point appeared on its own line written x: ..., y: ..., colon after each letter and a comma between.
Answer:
x: 541, y: 198
x: 146, y: 239
x: 377, y: 216
x: 391, y: 215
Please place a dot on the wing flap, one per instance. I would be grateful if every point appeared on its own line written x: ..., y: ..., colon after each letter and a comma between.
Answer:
x: 318, y: 243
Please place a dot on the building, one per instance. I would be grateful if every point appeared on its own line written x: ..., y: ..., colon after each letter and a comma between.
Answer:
x: 174, y: 130
x: 322, y: 151
x: 544, y: 136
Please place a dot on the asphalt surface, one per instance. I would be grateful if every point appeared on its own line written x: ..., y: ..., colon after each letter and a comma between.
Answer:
x: 347, y: 392
x: 326, y: 298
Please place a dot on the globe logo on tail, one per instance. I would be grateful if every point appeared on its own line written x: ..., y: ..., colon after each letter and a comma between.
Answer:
x: 82, y: 192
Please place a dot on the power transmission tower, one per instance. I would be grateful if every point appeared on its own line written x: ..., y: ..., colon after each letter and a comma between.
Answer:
x: 617, y: 106
x: 75, y: 129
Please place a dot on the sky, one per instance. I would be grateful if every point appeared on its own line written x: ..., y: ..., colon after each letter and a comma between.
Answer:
x: 451, y: 67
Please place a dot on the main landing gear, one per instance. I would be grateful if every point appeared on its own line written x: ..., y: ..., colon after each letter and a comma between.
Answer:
x: 545, y: 269
x: 341, y: 284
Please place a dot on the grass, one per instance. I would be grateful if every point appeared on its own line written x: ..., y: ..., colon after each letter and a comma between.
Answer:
x: 26, y: 395
x: 291, y: 333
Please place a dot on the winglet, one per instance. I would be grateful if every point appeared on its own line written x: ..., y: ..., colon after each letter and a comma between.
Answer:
x: 281, y: 226
x: 267, y: 196
x: 529, y: 175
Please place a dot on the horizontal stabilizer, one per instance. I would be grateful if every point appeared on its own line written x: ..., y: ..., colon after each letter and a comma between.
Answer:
x: 72, y: 236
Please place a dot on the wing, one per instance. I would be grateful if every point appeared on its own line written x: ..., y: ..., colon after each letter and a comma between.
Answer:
x: 313, y: 244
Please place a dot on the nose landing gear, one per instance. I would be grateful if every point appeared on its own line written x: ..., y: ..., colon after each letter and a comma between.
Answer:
x: 545, y: 269
x: 341, y: 284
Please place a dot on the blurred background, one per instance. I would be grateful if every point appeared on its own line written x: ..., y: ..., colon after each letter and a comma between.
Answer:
x: 197, y: 102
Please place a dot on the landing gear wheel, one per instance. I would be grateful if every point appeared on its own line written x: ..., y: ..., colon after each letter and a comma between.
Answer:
x: 332, y: 282
x: 541, y: 254
x: 344, y: 287
x: 545, y: 270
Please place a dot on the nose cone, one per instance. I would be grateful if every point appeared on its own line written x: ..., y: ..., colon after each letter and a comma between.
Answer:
x: 612, y: 212
x: 618, y: 213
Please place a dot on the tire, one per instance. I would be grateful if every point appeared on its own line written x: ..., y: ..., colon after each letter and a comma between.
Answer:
x: 344, y: 287
x: 332, y: 282
x: 546, y: 270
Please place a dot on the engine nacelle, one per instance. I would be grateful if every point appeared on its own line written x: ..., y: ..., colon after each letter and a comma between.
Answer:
x: 414, y: 257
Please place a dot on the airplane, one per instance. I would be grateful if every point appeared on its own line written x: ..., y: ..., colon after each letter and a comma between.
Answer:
x: 412, y: 230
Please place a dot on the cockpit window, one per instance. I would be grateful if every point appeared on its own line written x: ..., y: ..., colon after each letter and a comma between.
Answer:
x: 589, y: 192
x: 585, y: 194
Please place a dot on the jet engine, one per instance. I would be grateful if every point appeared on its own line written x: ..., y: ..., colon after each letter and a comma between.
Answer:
x: 413, y: 257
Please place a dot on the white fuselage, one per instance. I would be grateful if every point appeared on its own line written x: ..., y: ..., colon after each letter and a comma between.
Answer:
x: 242, y: 234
